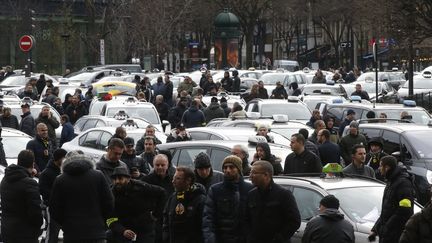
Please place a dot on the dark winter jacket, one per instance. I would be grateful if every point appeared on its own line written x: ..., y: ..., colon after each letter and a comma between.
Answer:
x: 159, y: 88
x: 306, y: 162
x: 213, y: 178
x: 139, y: 147
x: 235, y: 84
x: 329, y: 226
x: 342, y: 126
x: 363, y: 94
x: 21, y: 205
x: 165, y: 183
x: 67, y: 133
x: 75, y: 112
x: 27, y: 124
x: 107, y: 167
x: 227, y: 83
x: 148, y: 157
x: 38, y: 146
x: 279, y: 93
x: 347, y: 143
x: 23, y: 94
x: 134, y: 161
x: 224, y: 106
x: 174, y: 137
x: 262, y: 93
x: 46, y: 180
x: 182, y: 217
x: 209, y: 86
x: 10, y: 121
x: 397, y: 205
x: 418, y: 229
x: 363, y: 170
x: 272, y: 215
x: 137, y: 206
x: 213, y: 111
x: 329, y: 153
x: 175, y: 114
x: 51, y: 124
x: 312, y: 147
x: 163, y: 110
x: 81, y: 201
x: 193, y: 117
x: 276, y: 162
x: 224, y: 212
x: 168, y: 93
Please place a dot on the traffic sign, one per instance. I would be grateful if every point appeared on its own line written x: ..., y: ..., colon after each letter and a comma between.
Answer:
x: 26, y: 43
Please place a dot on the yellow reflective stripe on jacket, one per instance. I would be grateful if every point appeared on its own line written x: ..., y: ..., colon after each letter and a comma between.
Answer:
x: 406, y: 203
x: 110, y: 221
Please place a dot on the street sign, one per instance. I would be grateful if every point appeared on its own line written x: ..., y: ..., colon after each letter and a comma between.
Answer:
x: 26, y: 43
x: 345, y: 44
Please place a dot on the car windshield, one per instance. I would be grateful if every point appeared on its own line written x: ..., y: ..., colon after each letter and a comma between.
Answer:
x: 294, y: 111
x: 117, y: 78
x: 420, y: 83
x: 137, y: 111
x: 360, y: 204
x: 272, y: 78
x: 418, y: 116
x: 14, y: 80
x: 82, y: 77
x: 420, y: 141
x: 13, y: 145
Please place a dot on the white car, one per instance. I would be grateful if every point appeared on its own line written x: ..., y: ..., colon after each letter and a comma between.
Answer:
x: 13, y: 142
x: 94, y: 142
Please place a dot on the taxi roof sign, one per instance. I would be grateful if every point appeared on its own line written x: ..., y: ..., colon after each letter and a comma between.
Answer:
x: 332, y: 168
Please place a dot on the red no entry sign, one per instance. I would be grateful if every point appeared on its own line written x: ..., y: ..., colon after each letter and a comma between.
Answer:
x: 26, y: 43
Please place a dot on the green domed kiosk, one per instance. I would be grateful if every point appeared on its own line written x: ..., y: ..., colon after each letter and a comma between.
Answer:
x: 226, y: 40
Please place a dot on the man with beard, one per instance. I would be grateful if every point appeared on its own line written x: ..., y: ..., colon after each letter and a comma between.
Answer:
x: 150, y: 132
x: 137, y: 205
x: 182, y: 217
x: 42, y: 147
x: 111, y: 159
x: 138, y: 167
x: 75, y: 110
x: 225, y: 207
x: 46, y: 117
x: 149, y: 150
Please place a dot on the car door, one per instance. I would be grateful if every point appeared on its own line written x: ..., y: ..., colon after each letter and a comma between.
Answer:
x: 217, y: 155
x: 88, y: 143
x: 391, y: 141
x: 307, y: 202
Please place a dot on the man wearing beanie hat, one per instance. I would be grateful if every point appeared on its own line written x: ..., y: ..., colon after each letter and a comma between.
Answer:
x: 329, y: 225
x: 204, y: 173
x: 213, y: 110
x: 226, y: 203
x: 352, y: 138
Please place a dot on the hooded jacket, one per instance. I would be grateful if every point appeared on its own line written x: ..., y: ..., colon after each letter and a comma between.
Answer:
x: 81, y: 200
x: 418, y: 228
x: 21, y: 205
x: 276, y: 162
x: 329, y: 226
x: 213, y: 178
x: 107, y: 167
x: 193, y: 117
x: 182, y: 217
x: 213, y: 111
x: 27, y: 124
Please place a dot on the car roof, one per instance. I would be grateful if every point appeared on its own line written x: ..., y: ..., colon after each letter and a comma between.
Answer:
x: 328, y: 183
x: 214, y: 143
x: 10, y: 132
x: 400, y: 127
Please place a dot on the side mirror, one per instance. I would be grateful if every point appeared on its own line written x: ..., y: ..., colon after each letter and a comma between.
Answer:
x: 384, y: 92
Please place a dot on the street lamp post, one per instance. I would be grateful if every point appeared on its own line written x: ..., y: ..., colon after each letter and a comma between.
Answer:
x: 65, y: 37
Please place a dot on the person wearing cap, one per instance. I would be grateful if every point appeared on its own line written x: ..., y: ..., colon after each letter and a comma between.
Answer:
x: 225, y: 207
x: 262, y: 130
x: 137, y: 205
x: 348, y: 119
x: 213, y: 111
x: 46, y: 181
x: 329, y: 225
x: 375, y: 154
x: 42, y: 147
x: 397, y: 202
x: 109, y: 161
x: 348, y: 141
x: 27, y: 124
x: 204, y: 173
x: 358, y: 166
x: 301, y: 160
x: 276, y: 223
x: 138, y: 167
x: 81, y: 200
x: 182, y: 217
x: 279, y: 92
x: 224, y: 106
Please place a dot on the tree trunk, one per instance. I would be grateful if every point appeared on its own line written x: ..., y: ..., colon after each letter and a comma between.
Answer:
x: 249, y: 48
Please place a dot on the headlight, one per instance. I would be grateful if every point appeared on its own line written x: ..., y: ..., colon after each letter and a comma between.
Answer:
x: 429, y: 176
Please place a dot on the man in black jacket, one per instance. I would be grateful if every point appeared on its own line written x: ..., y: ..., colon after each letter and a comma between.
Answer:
x: 21, y: 219
x: 398, y: 202
x: 301, y: 160
x: 46, y: 117
x: 138, y: 167
x: 27, y: 124
x: 182, y: 217
x: 111, y: 159
x: 137, y: 206
x: 42, y: 147
x: 276, y: 223
x: 204, y: 173
x: 46, y: 181
x: 329, y: 225
x: 81, y: 201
